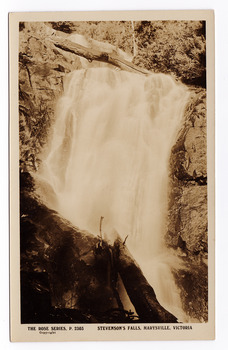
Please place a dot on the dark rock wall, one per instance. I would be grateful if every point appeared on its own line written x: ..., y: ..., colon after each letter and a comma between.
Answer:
x: 188, y: 167
x: 187, y: 219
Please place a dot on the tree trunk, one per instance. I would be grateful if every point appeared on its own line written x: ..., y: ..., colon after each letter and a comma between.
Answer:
x: 97, y: 55
x: 135, y: 46
x: 139, y: 290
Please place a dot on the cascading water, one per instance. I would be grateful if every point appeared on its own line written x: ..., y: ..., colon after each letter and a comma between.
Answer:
x: 109, y: 157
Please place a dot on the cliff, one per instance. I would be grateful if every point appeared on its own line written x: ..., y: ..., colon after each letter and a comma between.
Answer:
x: 187, y: 216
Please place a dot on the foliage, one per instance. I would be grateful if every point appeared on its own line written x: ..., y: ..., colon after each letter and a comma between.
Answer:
x: 33, y: 129
x: 176, y: 47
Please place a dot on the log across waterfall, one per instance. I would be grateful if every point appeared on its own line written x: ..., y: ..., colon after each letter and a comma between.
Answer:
x: 109, y: 156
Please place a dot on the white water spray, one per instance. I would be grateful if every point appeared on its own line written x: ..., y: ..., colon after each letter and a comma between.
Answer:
x: 109, y: 157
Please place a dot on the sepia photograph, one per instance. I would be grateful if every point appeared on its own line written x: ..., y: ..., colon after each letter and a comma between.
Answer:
x: 115, y: 176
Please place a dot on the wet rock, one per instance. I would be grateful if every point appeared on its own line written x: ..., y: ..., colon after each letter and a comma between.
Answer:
x: 188, y: 178
x: 187, y: 230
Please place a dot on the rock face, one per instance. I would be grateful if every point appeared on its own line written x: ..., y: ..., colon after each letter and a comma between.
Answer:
x: 187, y: 223
x: 189, y: 179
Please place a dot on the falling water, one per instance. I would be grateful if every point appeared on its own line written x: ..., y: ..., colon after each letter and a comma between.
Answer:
x: 109, y: 157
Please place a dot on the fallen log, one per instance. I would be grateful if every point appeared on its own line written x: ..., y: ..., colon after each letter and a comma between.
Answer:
x: 138, y: 289
x: 92, y: 54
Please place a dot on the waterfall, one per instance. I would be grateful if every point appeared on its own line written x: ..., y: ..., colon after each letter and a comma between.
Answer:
x: 109, y: 157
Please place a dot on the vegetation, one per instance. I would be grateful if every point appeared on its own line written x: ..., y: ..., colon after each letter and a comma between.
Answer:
x: 176, y: 47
